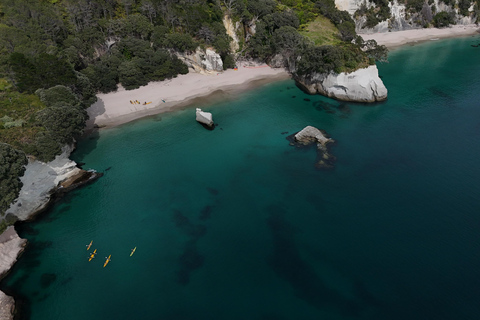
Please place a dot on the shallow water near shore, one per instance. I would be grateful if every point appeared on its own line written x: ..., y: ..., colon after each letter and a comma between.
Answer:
x: 236, y: 224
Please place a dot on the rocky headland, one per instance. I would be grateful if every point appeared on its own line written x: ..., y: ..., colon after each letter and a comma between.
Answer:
x: 362, y: 85
x: 41, y: 182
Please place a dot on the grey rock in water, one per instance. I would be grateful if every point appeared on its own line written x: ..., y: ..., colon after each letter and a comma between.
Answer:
x: 362, y: 85
x: 204, y: 118
x: 311, y: 135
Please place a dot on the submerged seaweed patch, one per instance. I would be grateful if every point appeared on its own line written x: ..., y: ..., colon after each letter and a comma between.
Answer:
x: 189, y: 261
x: 287, y: 262
x: 47, y: 279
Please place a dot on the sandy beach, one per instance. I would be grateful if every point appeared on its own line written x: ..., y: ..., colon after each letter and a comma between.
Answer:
x: 400, y: 38
x: 115, y: 108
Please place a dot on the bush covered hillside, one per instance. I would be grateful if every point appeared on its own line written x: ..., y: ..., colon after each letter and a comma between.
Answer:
x: 55, y: 55
x: 397, y: 15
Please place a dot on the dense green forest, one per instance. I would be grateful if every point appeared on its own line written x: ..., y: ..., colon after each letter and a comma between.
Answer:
x: 55, y: 55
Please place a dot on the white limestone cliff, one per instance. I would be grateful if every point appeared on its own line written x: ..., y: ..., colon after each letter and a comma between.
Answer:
x: 400, y: 19
x: 11, y: 246
x: 362, y: 85
x: 41, y: 180
x: 232, y: 32
x: 205, y: 62
x: 7, y: 306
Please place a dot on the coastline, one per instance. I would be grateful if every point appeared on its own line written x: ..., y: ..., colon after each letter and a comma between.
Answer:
x: 113, y: 109
x: 400, y: 38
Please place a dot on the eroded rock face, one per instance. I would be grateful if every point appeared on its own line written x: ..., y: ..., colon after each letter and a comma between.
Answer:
x: 205, y: 118
x: 7, y: 307
x: 362, y: 85
x: 11, y: 246
x: 41, y: 180
x: 400, y: 19
x: 232, y: 32
x: 310, y: 136
x: 207, y: 62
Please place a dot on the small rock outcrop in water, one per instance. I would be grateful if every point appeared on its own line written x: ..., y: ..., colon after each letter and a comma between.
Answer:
x: 11, y: 246
x: 362, y: 85
x: 311, y: 135
x: 205, y: 118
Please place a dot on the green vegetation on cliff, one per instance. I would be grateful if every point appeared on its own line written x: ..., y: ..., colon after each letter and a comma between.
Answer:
x: 56, y: 55
x: 12, y: 164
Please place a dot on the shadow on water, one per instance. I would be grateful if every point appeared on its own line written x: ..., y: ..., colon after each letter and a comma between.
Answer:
x: 288, y: 264
x: 89, y: 143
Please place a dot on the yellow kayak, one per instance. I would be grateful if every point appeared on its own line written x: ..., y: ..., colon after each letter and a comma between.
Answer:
x: 88, y: 246
x: 133, y: 251
x: 107, y: 261
x: 92, y: 255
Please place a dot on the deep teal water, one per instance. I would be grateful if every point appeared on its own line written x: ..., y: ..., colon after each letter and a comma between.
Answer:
x: 236, y: 224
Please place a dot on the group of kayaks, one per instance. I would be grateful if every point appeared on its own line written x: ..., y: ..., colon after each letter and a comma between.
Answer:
x: 92, y: 255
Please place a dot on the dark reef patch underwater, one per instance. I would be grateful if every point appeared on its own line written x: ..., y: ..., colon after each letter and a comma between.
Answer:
x: 236, y: 224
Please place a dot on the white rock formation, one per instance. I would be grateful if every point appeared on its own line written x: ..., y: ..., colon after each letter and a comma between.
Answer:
x: 204, y: 118
x: 11, y: 246
x: 7, y: 305
x: 40, y: 180
x: 351, y: 5
x: 311, y: 134
x: 400, y: 19
x: 362, y: 85
x: 205, y: 62
x: 232, y: 32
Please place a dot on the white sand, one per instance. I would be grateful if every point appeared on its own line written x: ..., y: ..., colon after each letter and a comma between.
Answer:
x: 115, y: 108
x: 398, y: 38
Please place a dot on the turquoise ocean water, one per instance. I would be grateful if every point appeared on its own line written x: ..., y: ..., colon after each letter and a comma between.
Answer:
x: 236, y: 224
